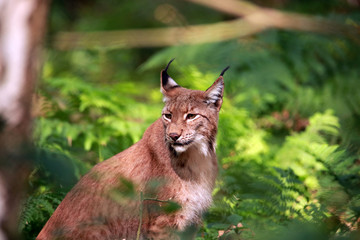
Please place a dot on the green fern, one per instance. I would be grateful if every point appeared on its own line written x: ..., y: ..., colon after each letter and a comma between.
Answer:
x: 36, y: 211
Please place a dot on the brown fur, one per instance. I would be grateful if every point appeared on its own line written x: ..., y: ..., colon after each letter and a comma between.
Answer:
x: 93, y: 210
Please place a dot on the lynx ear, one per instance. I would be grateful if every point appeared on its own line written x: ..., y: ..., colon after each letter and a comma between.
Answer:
x: 214, y: 94
x: 167, y: 83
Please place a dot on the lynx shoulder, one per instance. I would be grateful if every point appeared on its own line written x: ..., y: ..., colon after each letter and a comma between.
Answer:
x: 177, y: 151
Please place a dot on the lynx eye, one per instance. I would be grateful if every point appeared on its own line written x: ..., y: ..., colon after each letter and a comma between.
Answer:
x: 191, y: 116
x: 167, y: 116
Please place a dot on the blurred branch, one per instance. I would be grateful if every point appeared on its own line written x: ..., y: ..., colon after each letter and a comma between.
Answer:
x: 254, y: 19
x: 271, y: 18
x: 232, y: 7
x: 159, y: 37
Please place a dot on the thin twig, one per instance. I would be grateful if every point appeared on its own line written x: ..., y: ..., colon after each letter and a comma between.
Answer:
x: 156, y: 200
x: 140, y: 216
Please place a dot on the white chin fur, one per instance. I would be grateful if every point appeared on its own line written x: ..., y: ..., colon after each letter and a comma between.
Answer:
x: 200, y: 144
x: 180, y: 149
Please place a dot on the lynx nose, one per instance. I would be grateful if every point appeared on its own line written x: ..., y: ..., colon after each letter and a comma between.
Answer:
x: 174, y: 136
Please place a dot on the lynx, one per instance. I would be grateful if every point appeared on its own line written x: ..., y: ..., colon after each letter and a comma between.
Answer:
x: 177, y: 150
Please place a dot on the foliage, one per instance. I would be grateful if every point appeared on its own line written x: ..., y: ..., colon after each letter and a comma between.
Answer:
x: 288, y: 140
x: 38, y: 209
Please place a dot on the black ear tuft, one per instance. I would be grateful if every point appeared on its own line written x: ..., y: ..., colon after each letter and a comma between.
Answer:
x: 167, y: 66
x: 223, y: 71
x: 167, y: 83
x: 165, y: 76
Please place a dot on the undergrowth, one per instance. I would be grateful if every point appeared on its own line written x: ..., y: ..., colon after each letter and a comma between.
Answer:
x: 288, y: 141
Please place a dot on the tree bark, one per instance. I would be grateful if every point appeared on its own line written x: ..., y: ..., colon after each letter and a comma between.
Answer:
x: 22, y: 27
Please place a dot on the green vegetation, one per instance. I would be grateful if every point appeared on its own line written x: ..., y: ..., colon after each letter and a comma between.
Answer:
x: 289, y: 130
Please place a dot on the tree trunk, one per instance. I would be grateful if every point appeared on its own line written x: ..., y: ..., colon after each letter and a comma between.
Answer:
x: 22, y: 27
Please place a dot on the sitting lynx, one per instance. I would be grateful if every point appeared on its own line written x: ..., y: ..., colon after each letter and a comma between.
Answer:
x: 178, y: 150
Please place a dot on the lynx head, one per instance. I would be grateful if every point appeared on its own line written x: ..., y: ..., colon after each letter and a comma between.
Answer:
x: 190, y: 116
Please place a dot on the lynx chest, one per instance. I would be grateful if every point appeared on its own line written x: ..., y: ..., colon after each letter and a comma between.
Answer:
x: 194, y: 193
